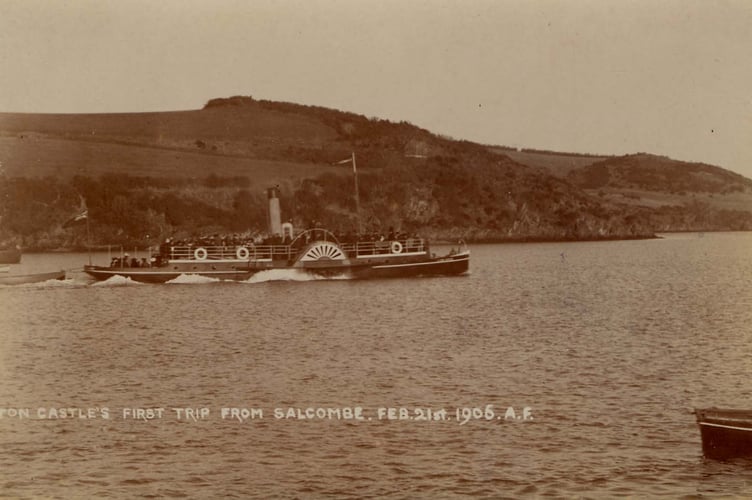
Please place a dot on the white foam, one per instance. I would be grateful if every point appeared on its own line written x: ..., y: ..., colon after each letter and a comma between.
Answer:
x: 290, y: 275
x: 117, y: 280
x: 59, y: 283
x: 193, y: 279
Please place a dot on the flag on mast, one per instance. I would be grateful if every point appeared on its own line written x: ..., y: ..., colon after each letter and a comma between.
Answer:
x: 81, y: 217
x: 349, y: 160
x: 77, y: 219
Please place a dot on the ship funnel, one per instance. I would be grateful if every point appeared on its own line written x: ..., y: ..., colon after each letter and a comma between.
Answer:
x: 275, y: 218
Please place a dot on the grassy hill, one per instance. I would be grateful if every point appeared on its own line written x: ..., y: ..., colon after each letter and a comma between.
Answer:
x: 146, y: 176
x: 556, y: 164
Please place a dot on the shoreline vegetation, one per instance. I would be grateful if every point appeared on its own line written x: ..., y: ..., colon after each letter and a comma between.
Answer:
x: 143, y: 177
x: 440, y: 242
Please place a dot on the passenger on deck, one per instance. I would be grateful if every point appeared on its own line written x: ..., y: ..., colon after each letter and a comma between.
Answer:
x: 164, y: 248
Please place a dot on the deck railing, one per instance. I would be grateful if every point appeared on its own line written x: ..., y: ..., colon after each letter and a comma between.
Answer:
x: 239, y: 252
x: 369, y: 248
x: 273, y: 252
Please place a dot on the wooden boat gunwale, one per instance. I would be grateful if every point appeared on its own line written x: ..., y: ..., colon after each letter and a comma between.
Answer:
x: 725, y: 433
x: 23, y: 279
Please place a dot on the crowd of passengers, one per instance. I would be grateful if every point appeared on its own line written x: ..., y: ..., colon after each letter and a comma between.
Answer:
x: 127, y: 261
x: 234, y: 241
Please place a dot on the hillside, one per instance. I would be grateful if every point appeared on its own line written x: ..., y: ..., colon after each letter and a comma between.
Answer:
x: 678, y: 194
x: 255, y: 131
x: 145, y: 176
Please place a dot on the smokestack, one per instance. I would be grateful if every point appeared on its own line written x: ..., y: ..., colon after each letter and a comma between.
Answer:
x: 275, y: 218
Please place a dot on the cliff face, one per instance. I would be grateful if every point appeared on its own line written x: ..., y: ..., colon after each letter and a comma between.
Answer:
x: 151, y: 175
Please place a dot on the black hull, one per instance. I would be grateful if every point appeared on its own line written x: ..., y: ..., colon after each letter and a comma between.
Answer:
x: 445, y: 266
x: 725, y: 434
x: 455, y: 265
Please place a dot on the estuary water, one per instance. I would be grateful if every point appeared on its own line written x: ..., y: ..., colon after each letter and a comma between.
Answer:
x: 559, y: 369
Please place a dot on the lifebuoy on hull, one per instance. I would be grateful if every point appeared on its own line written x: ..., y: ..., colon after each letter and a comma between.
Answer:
x: 396, y: 247
x: 200, y: 253
x: 242, y: 253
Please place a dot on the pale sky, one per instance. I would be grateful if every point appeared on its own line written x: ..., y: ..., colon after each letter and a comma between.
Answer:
x: 670, y: 77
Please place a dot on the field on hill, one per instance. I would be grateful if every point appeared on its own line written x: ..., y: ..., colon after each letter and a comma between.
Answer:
x: 41, y: 156
x: 245, y: 123
x: 558, y: 164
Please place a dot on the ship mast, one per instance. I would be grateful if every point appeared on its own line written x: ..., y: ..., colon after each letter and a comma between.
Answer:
x: 357, y: 195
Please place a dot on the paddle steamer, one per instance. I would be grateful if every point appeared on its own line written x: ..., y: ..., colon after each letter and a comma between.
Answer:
x: 314, y: 251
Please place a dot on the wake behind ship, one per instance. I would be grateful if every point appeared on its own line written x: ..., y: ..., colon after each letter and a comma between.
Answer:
x: 315, y: 252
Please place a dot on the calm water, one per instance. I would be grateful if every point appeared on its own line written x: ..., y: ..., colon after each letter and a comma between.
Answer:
x: 609, y: 344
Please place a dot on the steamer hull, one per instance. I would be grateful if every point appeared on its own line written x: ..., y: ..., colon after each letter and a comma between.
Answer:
x: 445, y: 266
x: 156, y: 275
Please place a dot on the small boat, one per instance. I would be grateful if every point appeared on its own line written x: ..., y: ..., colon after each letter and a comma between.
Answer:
x: 22, y: 279
x: 10, y: 256
x: 725, y: 433
x: 315, y: 252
